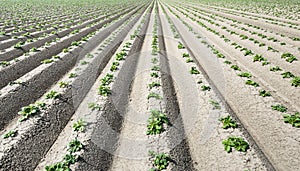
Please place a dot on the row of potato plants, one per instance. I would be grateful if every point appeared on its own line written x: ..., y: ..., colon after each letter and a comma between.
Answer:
x: 287, y: 56
x: 33, y: 109
x: 238, y: 143
x: 293, y: 119
x: 246, y: 24
x: 157, y: 120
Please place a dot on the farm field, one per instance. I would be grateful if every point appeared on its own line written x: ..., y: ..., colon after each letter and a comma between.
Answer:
x: 149, y: 85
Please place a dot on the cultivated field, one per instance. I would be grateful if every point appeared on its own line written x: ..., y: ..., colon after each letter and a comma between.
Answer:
x: 149, y: 85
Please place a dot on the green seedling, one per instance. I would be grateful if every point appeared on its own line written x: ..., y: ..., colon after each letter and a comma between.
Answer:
x: 47, y: 61
x: 72, y: 75
x: 237, y: 143
x: 56, y: 57
x: 154, y: 60
x: 245, y: 74
x: 104, y: 90
x: 154, y: 95
x: 235, y: 67
x: 185, y: 55
x: 205, y: 88
x: 289, y: 57
x: 94, y: 106
x: 215, y: 104
x: 155, y: 68
x: 52, y: 95
x: 248, y: 52
x: 113, y: 68
x: 34, y: 49
x: 65, y: 50
x: 265, y: 63
x: 120, y: 56
x: 153, y: 84
x: 264, y: 93
x: 107, y: 79
x: 11, y: 133
x: 79, y: 126
x: 227, y: 62
x: 180, y: 46
x: 63, y: 84
x: 75, y: 43
x: 287, y: 75
x: 294, y: 120
x: 188, y: 60
x: 155, y: 122
x: 279, y: 108
x: 258, y: 58
x: 295, y: 81
x: 70, y: 159
x: 60, y: 166
x: 194, y: 71
x: 161, y: 161
x: 28, y: 111
x: 252, y: 83
x: 83, y: 62
x: 228, y: 122
x: 74, y: 146
x: 4, y: 63
x: 154, y: 75
x: 275, y: 68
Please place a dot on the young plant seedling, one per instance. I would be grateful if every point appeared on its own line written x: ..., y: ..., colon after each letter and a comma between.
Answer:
x: 70, y: 159
x: 74, y: 146
x: 154, y: 75
x: 235, y: 142
x: 287, y: 75
x: 185, y: 55
x: 63, y: 84
x: 279, y: 108
x: 94, y: 106
x: 11, y: 133
x: 295, y: 81
x: 188, y: 60
x: 113, y: 68
x: 154, y: 60
x: 205, y: 88
x: 252, y: 83
x: 83, y: 62
x: 47, y: 61
x: 215, y: 104
x: 107, y: 79
x: 155, y: 68
x: 180, y: 46
x: 104, y: 90
x: 72, y: 75
x: 161, y: 160
x: 154, y: 84
x: 4, y: 63
x: 245, y: 74
x: 79, y: 126
x: 248, y: 52
x: 120, y: 56
x: 289, y: 57
x: 52, y: 95
x: 154, y: 95
x: 294, y: 120
x: 265, y: 63
x: 258, y: 58
x: 28, y: 111
x: 264, y: 93
x: 155, y: 122
x: 227, y: 62
x: 275, y: 68
x: 60, y: 166
x: 194, y: 71
x: 235, y: 67
x: 228, y: 122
